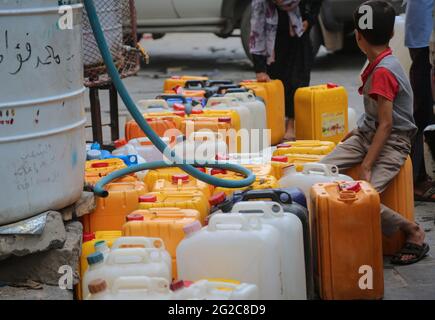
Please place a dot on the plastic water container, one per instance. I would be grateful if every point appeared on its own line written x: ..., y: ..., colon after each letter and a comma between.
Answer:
x: 224, y: 249
x: 311, y: 174
x: 256, y: 107
x: 131, y: 288
x: 352, y: 119
x: 110, y: 212
x: 201, y: 146
x: 126, y: 262
x: 312, y: 147
x: 163, y: 173
x: 88, y: 247
x: 176, y: 199
x: 321, y: 113
x: 153, y: 105
x: 125, y: 149
x: 280, y: 163
x: 174, y: 81
x: 229, y: 103
x: 272, y: 93
x: 166, y: 223
x: 218, y: 290
x: 182, y: 182
x: 261, y: 182
x: 104, y: 167
x: 292, y: 240
x: 145, y: 148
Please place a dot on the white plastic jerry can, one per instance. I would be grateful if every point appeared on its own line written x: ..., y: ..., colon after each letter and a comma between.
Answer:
x: 143, y: 242
x: 145, y: 148
x: 255, y: 106
x: 291, y: 233
x: 233, y: 247
x: 229, y: 103
x: 153, y: 105
x: 218, y: 290
x: 202, y: 146
x: 311, y: 174
x: 127, y: 262
x: 131, y: 288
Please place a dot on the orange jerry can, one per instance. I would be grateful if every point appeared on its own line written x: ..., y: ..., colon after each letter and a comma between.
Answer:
x: 179, y: 81
x: 159, y: 125
x: 194, y: 200
x: 347, y: 241
x: 110, y: 212
x: 399, y: 196
x: 273, y: 95
x: 182, y: 182
x: 164, y: 223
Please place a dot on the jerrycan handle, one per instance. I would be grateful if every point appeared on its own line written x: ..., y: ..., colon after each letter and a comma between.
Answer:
x: 140, y: 242
x: 327, y: 170
x: 194, y: 84
x: 232, y: 220
x: 141, y: 282
x: 170, y: 96
x: 167, y: 212
x: 269, y: 194
x: 266, y: 208
x: 230, y: 101
x: 147, y: 105
x: 348, y: 196
x: 141, y: 253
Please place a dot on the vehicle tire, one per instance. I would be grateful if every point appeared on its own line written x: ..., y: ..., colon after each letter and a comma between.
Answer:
x: 316, y: 39
x: 245, y: 30
x: 157, y: 36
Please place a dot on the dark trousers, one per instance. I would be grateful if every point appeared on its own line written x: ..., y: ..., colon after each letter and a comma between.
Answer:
x: 420, y: 76
x: 293, y: 63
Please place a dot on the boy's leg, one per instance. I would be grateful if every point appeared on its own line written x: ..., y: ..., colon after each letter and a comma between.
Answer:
x: 349, y: 153
x: 386, y: 168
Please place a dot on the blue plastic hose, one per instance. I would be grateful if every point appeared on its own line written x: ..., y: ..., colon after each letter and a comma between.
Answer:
x: 249, y: 177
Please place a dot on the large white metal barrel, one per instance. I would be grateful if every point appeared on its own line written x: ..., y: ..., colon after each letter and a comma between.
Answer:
x: 42, y: 118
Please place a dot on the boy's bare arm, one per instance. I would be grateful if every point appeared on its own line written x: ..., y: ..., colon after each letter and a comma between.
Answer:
x: 385, y: 117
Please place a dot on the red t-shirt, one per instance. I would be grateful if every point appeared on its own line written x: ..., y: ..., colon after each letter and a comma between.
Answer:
x: 384, y: 83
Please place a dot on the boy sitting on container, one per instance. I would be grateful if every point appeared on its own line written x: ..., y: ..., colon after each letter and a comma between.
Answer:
x: 382, y: 141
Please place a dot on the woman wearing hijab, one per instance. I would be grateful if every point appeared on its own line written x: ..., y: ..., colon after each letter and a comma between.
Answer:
x: 281, y: 48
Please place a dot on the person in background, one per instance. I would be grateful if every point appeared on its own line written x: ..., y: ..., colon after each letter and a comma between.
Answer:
x: 418, y: 29
x: 281, y: 48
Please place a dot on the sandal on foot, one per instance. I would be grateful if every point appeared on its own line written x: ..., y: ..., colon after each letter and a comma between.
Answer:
x: 427, y: 196
x: 410, y: 249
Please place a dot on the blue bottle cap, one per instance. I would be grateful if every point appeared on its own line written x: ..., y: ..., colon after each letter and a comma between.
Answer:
x: 95, y: 258
x: 95, y: 146
x: 93, y: 155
